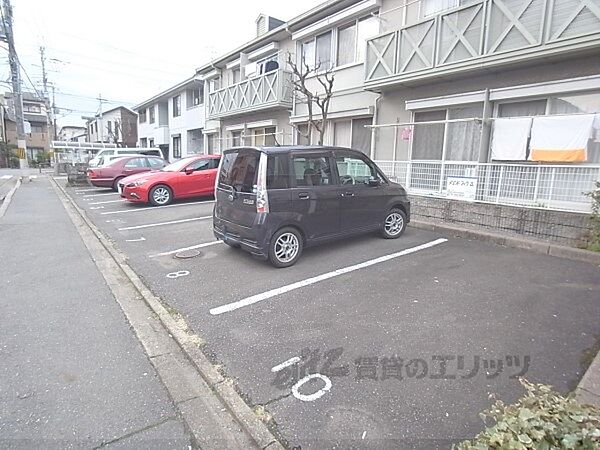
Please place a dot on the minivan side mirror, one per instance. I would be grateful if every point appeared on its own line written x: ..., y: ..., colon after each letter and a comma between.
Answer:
x: 374, y: 182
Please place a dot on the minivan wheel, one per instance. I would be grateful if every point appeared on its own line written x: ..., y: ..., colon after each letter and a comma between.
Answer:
x: 394, y: 224
x: 160, y: 195
x: 285, y: 248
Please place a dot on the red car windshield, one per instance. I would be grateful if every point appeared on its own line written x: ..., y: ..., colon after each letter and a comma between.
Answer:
x: 178, y: 165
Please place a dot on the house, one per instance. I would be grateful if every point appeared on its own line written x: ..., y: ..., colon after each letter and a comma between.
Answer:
x: 116, y: 126
x: 38, y: 133
x: 71, y: 133
x: 173, y: 120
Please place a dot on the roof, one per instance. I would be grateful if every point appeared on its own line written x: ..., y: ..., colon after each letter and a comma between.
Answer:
x: 167, y: 93
x: 295, y: 148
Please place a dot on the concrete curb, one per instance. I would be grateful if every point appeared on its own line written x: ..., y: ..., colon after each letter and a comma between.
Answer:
x: 189, y: 343
x: 588, y: 389
x: 545, y: 248
x: 6, y: 200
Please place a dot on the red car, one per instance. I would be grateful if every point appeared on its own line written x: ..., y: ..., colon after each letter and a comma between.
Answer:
x: 110, y: 175
x: 189, y: 177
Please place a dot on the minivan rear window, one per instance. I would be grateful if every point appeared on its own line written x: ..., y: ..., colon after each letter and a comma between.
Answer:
x: 239, y: 170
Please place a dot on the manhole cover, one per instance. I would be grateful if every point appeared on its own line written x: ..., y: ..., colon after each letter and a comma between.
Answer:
x: 186, y: 254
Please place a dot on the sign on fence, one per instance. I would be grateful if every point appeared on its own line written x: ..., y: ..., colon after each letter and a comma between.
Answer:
x: 462, y: 188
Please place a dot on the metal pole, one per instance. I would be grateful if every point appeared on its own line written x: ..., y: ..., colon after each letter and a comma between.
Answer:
x: 7, y: 17
x: 486, y: 129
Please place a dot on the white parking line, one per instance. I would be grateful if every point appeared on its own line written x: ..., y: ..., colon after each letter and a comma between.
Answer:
x: 108, y: 201
x: 98, y: 195
x: 149, y: 225
x: 283, y: 365
x: 192, y: 247
x: 290, y: 287
x: 156, y: 207
x: 81, y: 191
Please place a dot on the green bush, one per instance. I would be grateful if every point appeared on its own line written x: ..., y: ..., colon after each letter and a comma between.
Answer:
x: 540, y: 420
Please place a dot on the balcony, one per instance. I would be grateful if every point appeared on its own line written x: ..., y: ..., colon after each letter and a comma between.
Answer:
x: 270, y: 90
x: 481, y: 34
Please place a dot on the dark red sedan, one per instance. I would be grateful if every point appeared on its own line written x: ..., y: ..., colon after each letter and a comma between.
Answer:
x: 189, y: 177
x: 110, y: 175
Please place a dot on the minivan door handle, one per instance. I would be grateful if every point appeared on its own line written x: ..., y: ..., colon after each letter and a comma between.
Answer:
x: 303, y: 196
x: 348, y: 194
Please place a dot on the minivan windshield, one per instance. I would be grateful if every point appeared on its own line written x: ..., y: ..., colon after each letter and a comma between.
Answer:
x: 239, y: 169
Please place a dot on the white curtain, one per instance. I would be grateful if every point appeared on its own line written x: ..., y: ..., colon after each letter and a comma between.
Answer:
x: 342, y: 133
x: 361, y: 136
x: 463, y: 138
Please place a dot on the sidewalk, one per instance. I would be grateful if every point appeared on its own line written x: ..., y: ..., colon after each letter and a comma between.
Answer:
x: 72, y: 373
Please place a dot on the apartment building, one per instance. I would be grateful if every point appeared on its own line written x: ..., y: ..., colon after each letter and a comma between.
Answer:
x: 173, y: 120
x: 115, y: 126
x: 35, y: 113
x: 250, y: 98
x: 72, y: 133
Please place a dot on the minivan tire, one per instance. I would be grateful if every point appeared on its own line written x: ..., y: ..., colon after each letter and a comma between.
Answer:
x: 167, y: 194
x: 285, y: 247
x: 394, y: 224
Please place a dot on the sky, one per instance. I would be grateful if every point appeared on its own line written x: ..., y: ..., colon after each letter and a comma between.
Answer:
x: 127, y: 50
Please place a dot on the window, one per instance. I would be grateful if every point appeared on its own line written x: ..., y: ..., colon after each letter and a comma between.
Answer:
x: 308, y: 54
x: 235, y: 76
x: 136, y: 163
x: 152, y: 114
x: 265, y: 137
x: 109, y: 126
x: 142, y: 115
x: 212, y: 143
x: 346, y: 48
x: 353, y: 170
x: 151, y: 143
x: 367, y: 28
x: 430, y: 7
x: 239, y: 170
x: 201, y: 164
x: 236, y: 138
x: 267, y: 64
x: 176, y: 146
x: 177, y: 106
x: 156, y: 163
x: 519, y: 109
x: 32, y: 108
x: 361, y: 135
x: 194, y: 97
x: 278, y: 174
x: 213, y: 85
x: 428, y: 140
x: 143, y: 142
x: 342, y: 133
x: 37, y: 128
x: 311, y: 170
x: 323, y: 61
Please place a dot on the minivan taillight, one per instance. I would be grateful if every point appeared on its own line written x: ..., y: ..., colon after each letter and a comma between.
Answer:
x: 262, y: 197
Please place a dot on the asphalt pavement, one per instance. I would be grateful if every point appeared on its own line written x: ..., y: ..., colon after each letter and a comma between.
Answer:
x: 365, y: 342
x: 72, y: 373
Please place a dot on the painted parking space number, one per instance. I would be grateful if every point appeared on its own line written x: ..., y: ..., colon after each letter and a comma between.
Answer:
x: 178, y: 274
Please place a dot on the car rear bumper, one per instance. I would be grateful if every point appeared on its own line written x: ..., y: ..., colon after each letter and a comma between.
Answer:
x: 228, y: 232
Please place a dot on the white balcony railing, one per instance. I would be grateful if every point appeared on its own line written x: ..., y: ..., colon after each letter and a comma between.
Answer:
x: 546, y: 186
x: 269, y: 90
x: 482, y: 32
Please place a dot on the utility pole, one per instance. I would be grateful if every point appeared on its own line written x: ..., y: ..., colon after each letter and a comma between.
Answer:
x: 54, y: 111
x: 49, y: 112
x: 100, y: 121
x: 7, y: 17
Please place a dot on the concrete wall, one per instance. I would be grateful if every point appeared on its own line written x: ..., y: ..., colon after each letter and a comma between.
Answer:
x: 563, y: 228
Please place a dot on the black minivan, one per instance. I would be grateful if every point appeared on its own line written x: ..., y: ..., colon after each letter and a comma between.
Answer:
x: 274, y: 201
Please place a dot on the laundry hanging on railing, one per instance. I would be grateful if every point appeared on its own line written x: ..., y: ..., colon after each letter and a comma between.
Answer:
x: 561, y: 138
x: 509, y: 141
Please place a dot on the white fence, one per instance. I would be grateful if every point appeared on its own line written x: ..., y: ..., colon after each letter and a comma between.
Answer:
x: 556, y: 187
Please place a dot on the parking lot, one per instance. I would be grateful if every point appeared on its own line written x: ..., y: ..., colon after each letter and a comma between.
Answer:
x: 391, y: 343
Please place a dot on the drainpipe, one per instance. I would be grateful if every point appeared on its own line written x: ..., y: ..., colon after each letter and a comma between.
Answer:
x: 375, y: 118
x: 486, y: 129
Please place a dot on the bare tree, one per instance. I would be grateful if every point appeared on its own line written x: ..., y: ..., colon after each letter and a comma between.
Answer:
x: 301, y: 72
x: 120, y: 132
